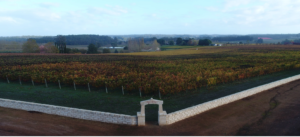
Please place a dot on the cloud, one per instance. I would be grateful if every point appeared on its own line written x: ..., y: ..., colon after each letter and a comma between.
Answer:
x: 260, y: 13
x: 32, y: 15
x: 212, y: 8
x: 6, y: 19
x: 48, y: 4
x: 236, y: 3
x: 114, y: 11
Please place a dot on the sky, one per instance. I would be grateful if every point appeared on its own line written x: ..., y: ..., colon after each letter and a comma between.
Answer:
x: 125, y: 17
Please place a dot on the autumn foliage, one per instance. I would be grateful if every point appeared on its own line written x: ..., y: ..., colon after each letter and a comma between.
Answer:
x: 170, y: 74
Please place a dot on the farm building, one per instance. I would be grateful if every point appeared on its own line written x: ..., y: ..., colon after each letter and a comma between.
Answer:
x: 215, y: 44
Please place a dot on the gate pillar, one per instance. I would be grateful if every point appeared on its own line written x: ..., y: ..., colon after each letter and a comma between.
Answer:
x: 162, y: 115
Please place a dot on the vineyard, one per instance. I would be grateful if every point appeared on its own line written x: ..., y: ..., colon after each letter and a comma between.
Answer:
x: 151, y: 74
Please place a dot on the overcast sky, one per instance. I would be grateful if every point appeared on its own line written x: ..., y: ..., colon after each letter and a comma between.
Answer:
x: 119, y: 17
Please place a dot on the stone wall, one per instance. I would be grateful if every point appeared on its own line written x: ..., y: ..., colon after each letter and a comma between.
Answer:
x: 191, y: 111
x: 70, y: 112
x: 132, y: 120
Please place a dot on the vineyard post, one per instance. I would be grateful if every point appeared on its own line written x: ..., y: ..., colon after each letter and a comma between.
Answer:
x: 74, y: 85
x: 32, y: 82
x: 122, y: 90
x: 20, y: 80
x: 46, y: 83
x: 89, y: 87
x: 7, y: 79
x: 159, y: 94
x: 140, y: 92
x: 106, y: 88
x: 59, y: 84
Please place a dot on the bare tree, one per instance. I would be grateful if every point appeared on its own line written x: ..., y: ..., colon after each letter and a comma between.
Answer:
x: 154, y: 45
x: 135, y: 45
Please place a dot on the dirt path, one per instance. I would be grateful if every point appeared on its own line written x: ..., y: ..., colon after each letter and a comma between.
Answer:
x: 273, y: 112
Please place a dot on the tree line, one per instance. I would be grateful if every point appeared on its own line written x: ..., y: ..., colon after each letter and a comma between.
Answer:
x: 59, y: 46
x: 79, y: 39
x: 233, y: 38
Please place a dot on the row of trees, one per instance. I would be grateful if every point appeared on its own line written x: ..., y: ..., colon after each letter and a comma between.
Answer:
x: 201, y: 41
x: 94, y: 41
x: 192, y: 42
x: 233, y: 38
x: 260, y: 41
x: 137, y: 45
x: 179, y: 41
x: 30, y: 46
x: 10, y: 45
x: 78, y: 39
x: 286, y: 41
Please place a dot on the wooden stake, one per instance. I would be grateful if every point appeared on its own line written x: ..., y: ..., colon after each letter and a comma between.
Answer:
x: 46, y: 83
x: 32, y: 82
x: 7, y: 79
x: 122, y: 90
x: 20, y: 80
x: 74, y: 85
x: 89, y: 87
x: 59, y: 84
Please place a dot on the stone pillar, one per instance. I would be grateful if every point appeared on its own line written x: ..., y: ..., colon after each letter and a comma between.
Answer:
x: 142, y: 109
x: 162, y: 118
x: 141, y: 119
x: 160, y: 109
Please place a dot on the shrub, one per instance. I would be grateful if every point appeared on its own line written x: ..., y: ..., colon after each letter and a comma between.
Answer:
x: 106, y: 51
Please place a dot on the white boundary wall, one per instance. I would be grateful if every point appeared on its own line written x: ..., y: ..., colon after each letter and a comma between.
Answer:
x: 132, y: 120
x: 191, y: 111
x: 70, y: 112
